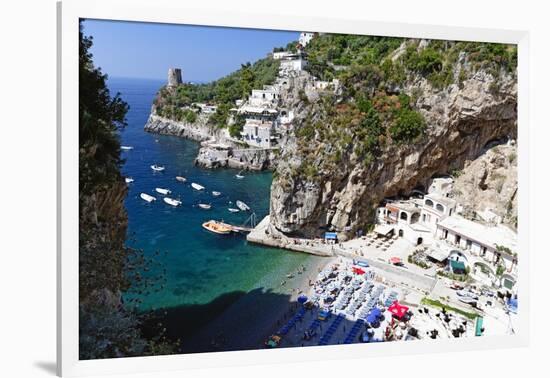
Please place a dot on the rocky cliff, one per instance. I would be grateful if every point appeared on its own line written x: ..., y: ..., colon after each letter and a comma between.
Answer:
x: 487, y: 187
x: 317, y: 187
x: 199, y: 130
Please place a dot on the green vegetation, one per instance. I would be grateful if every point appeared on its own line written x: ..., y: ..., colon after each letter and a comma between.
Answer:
x: 174, y: 102
x: 435, y: 303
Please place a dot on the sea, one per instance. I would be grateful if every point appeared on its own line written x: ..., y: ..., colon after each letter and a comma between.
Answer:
x: 202, y: 271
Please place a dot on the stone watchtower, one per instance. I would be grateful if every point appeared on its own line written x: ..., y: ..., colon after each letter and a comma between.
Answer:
x: 174, y: 77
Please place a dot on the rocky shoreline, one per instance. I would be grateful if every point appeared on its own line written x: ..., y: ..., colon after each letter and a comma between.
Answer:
x: 218, y: 150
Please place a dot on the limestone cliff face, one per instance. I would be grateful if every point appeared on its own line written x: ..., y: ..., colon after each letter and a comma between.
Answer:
x: 461, y: 121
x: 490, y: 182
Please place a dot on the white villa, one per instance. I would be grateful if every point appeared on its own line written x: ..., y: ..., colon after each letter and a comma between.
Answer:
x: 488, y: 251
x: 305, y: 38
x: 259, y: 125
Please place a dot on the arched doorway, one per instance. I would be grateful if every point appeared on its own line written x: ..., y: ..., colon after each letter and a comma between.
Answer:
x: 419, y: 241
x: 401, y: 233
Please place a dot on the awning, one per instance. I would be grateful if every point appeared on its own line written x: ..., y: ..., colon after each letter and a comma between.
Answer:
x: 437, y: 254
x: 331, y: 235
x: 383, y: 229
x: 457, y: 265
x: 395, y: 260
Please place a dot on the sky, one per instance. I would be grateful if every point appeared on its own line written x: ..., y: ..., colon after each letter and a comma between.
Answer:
x: 147, y: 50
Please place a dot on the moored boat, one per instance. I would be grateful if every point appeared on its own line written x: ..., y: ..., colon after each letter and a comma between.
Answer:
x: 129, y: 180
x: 171, y: 201
x: 197, y: 186
x: 147, y: 197
x: 216, y: 227
x: 205, y: 206
x: 239, y: 175
x: 162, y: 191
x: 181, y: 179
x: 243, y: 206
x: 126, y: 148
x: 233, y: 210
x: 215, y: 194
x: 157, y: 168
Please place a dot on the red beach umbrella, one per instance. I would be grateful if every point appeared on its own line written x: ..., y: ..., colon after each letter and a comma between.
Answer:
x: 358, y: 271
x: 398, y: 310
x: 395, y: 260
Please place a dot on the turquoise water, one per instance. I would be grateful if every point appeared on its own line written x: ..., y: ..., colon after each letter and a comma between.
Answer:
x: 201, y: 267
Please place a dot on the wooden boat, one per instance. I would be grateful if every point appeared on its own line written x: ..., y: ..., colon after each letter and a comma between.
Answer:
x: 181, y: 179
x: 162, y: 191
x: 205, y: 206
x: 243, y: 206
x: 216, y: 227
x: 197, y: 186
x: 147, y: 197
x: 171, y: 201
x: 157, y: 168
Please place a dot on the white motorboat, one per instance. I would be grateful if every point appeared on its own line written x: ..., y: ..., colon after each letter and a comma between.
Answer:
x: 157, y: 168
x: 239, y: 176
x: 215, y: 194
x: 181, y: 179
x: 126, y: 148
x: 171, y: 201
x: 197, y: 186
x: 129, y: 180
x: 163, y: 191
x: 147, y: 197
x: 205, y: 206
x: 243, y: 206
x: 233, y: 210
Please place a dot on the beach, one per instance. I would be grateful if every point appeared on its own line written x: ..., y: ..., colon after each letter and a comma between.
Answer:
x: 248, y: 322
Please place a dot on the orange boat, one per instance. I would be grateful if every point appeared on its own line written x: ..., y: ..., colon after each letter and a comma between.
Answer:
x: 217, y: 227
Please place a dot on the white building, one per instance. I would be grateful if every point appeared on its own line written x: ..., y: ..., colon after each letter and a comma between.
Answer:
x: 263, y: 97
x: 483, y: 248
x: 294, y: 64
x: 258, y: 133
x: 436, y: 208
x: 282, y: 55
x: 305, y: 38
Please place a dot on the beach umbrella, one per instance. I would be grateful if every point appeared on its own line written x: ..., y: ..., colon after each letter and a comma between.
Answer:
x: 395, y: 260
x: 302, y: 299
x: 358, y: 271
x: 398, y: 310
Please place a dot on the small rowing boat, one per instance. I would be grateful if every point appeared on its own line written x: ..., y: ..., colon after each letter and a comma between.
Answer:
x: 162, y: 191
x: 215, y: 194
x: 171, y: 201
x: 147, y: 197
x: 233, y: 210
x: 129, y: 180
x: 126, y: 148
x: 243, y: 206
x: 216, y: 227
x: 197, y: 186
x: 239, y: 176
x: 157, y: 168
x: 205, y: 206
x: 181, y: 179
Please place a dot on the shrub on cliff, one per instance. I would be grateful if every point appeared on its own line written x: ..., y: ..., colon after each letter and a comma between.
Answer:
x: 408, y: 126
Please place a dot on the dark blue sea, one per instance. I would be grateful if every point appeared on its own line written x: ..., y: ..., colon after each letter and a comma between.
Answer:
x: 204, y: 271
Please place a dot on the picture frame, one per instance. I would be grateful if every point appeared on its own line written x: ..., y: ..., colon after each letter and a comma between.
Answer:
x: 69, y: 14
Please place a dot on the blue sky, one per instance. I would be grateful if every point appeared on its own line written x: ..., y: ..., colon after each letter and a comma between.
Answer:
x: 147, y: 50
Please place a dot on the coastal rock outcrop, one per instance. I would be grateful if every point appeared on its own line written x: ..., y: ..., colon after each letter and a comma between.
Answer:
x: 462, y: 119
x: 487, y: 187
x: 199, y: 130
